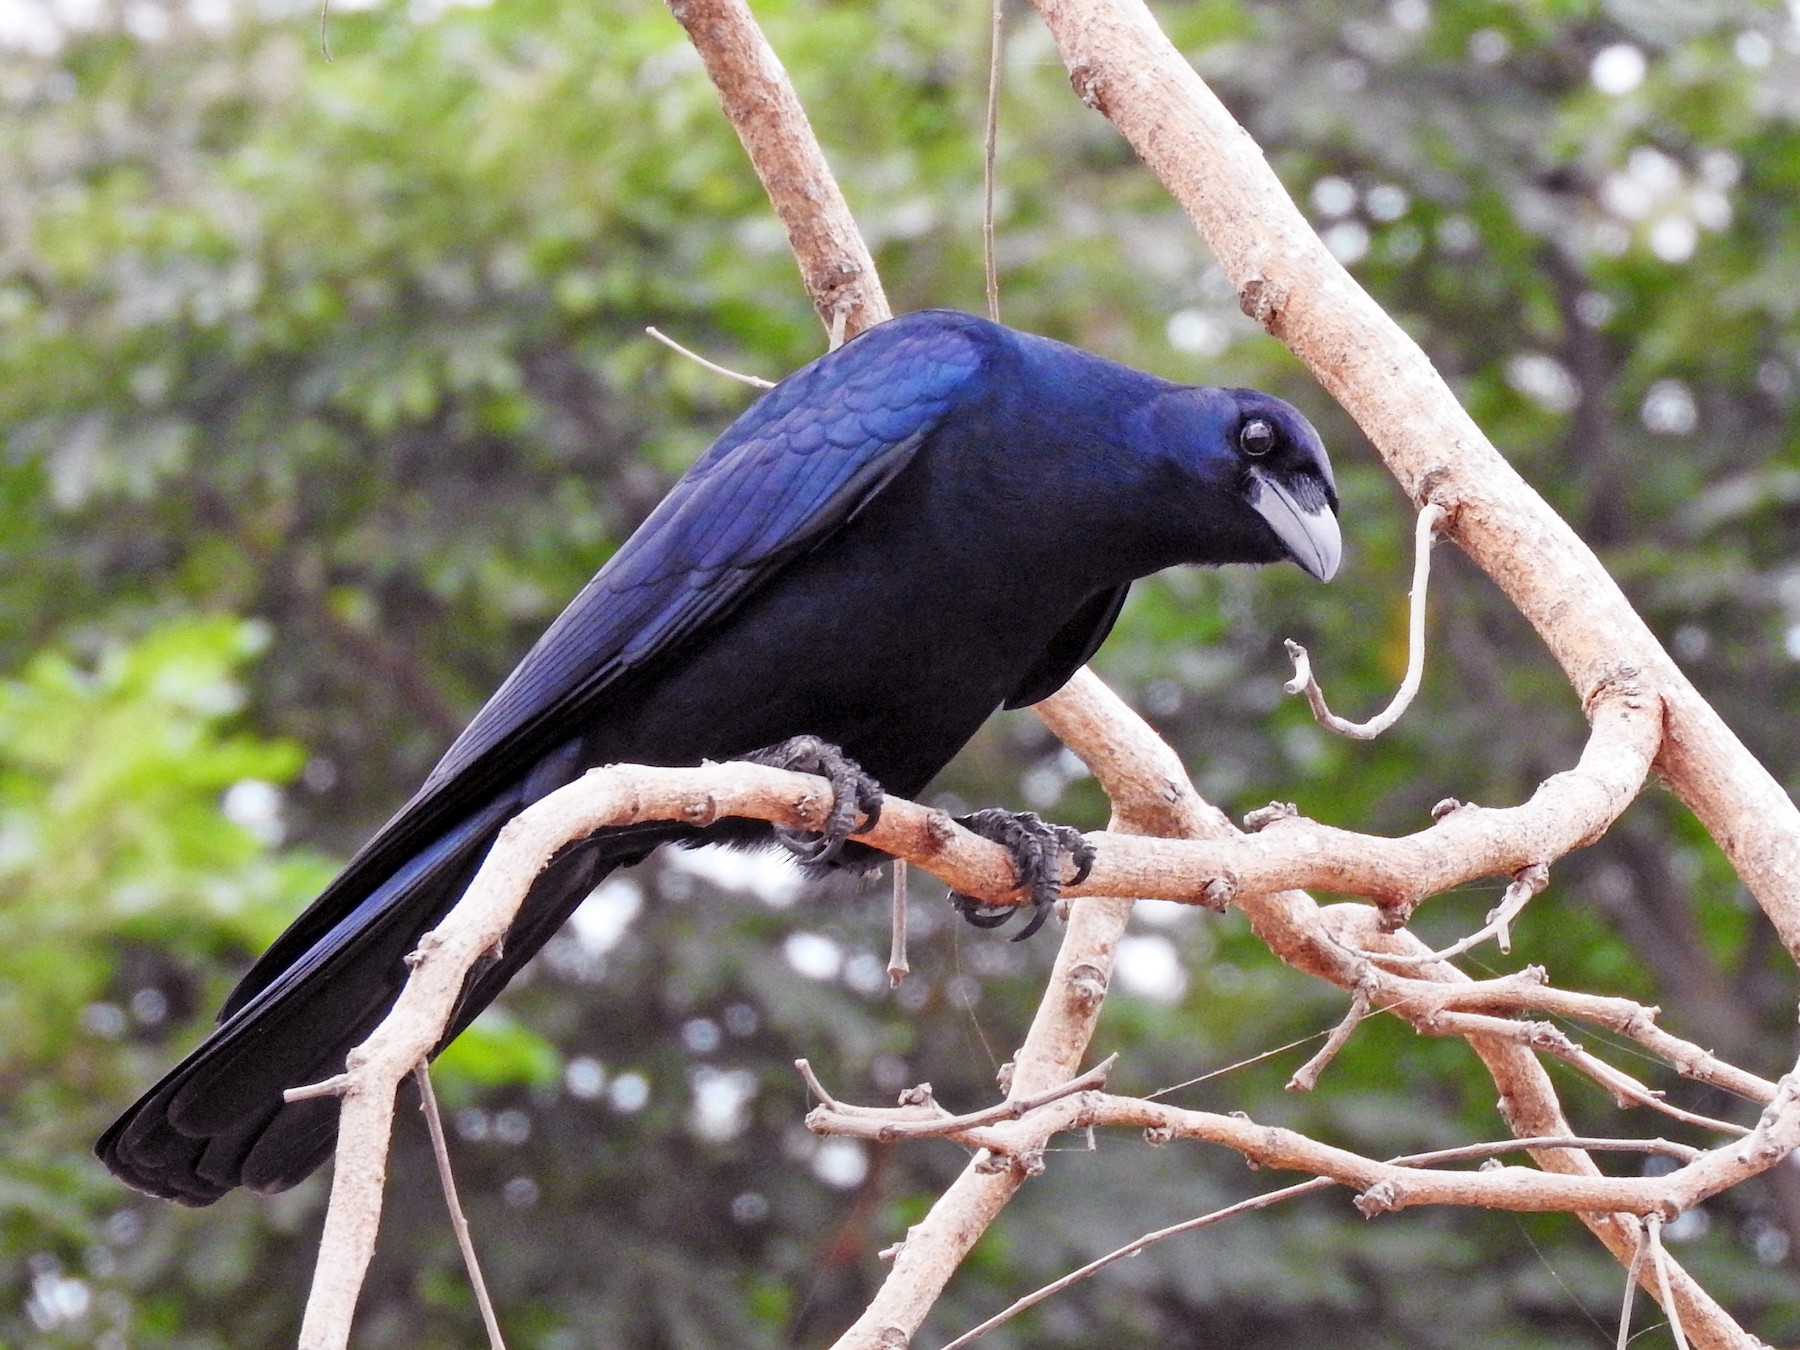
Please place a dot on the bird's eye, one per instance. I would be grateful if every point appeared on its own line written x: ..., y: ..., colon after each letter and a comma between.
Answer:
x: 1257, y: 437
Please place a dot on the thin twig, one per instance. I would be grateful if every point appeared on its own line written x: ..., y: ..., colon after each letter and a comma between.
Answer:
x: 335, y: 1086
x: 754, y: 381
x: 1666, y: 1148
x: 459, y: 1222
x: 897, y: 968
x: 1632, y: 1275
x: 1653, y: 1232
x: 1138, y: 1244
x: 924, y: 1118
x: 1304, y: 681
x: 1550, y: 1039
x: 814, y: 1086
x: 990, y: 141
x: 1629, y: 1091
x: 1529, y: 882
x: 1306, y: 1077
x: 1133, y: 1247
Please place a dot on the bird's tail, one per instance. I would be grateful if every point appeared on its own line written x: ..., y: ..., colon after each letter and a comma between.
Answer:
x: 217, y: 1119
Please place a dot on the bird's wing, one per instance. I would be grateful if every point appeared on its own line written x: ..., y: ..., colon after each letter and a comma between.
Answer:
x: 795, y: 467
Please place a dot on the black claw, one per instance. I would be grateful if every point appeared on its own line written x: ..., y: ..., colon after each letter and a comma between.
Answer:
x: 1037, y: 848
x: 854, y: 794
x: 979, y: 915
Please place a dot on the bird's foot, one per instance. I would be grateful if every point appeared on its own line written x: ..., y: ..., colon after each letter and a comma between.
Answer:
x: 854, y: 794
x: 1037, y: 847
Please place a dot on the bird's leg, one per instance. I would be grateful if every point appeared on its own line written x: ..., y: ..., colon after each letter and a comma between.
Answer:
x: 1037, y: 847
x: 854, y: 793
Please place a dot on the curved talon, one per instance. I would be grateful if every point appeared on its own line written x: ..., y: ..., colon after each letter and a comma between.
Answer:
x: 1037, y: 847
x: 853, y: 794
x: 978, y: 913
x: 1082, y: 854
x: 806, y: 845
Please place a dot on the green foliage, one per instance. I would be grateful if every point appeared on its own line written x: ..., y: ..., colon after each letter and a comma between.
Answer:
x: 351, y: 350
x: 131, y: 891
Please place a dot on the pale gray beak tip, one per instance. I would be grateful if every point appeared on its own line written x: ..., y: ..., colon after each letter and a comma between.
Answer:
x: 1309, y: 533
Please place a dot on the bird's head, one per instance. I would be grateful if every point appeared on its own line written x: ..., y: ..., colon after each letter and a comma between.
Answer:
x: 1269, y: 493
x: 1286, y: 479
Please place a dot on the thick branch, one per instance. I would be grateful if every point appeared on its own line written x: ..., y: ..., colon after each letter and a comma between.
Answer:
x: 834, y: 262
x: 1568, y: 811
x: 1151, y: 794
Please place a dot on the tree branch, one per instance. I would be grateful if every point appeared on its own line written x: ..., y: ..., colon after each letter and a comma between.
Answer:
x: 759, y: 99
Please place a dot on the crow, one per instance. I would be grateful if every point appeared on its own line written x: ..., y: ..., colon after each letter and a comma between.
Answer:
x: 938, y: 519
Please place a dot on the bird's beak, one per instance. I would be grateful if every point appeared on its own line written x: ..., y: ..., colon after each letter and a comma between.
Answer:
x: 1310, y: 533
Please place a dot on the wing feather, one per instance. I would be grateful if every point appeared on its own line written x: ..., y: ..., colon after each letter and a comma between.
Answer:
x: 795, y: 467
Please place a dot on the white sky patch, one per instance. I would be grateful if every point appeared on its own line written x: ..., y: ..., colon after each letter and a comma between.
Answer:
x: 1619, y: 69
x: 813, y: 955
x: 1674, y: 238
x: 1489, y: 46
x: 584, y: 1077
x: 604, y: 917
x: 722, y: 1098
x: 1387, y: 202
x: 1150, y: 967
x: 1159, y: 913
x: 1198, y: 332
x: 1410, y: 16
x: 629, y: 1093
x: 1753, y: 49
x: 1348, y: 241
x: 841, y: 1163
x: 256, y: 806
x: 1544, y: 380
x: 1669, y: 409
x: 57, y: 1300
x: 1333, y: 196
x: 29, y: 27
x: 764, y: 873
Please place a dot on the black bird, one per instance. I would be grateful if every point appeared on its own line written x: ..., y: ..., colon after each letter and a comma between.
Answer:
x: 938, y: 519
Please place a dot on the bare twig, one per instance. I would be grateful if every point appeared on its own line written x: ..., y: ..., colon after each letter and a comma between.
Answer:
x: 754, y: 381
x: 990, y: 143
x: 1633, y: 1273
x: 459, y: 1220
x: 1132, y: 1248
x: 1528, y: 990
x: 1569, y: 810
x: 1151, y: 793
x: 1528, y: 1102
x: 1305, y: 682
x: 335, y: 1086
x: 1653, y: 1237
x: 1527, y: 882
x: 1306, y: 1077
x: 928, y: 1120
x: 1552, y: 1040
x: 1664, y: 1148
x: 1138, y: 1244
x: 897, y: 967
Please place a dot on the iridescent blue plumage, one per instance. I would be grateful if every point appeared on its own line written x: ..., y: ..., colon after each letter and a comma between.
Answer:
x: 940, y: 518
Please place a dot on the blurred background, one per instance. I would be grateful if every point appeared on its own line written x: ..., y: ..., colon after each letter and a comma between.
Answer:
x: 323, y: 387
